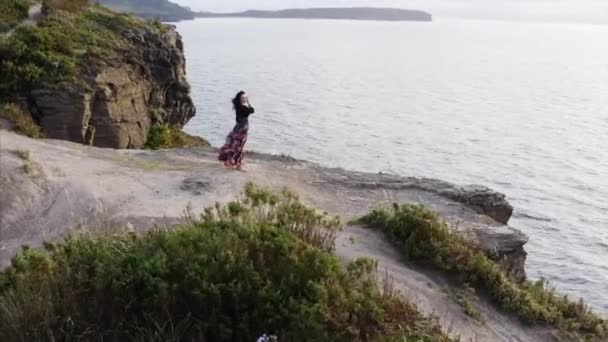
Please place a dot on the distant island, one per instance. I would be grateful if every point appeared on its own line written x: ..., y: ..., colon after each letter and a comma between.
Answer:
x: 162, y: 10
x: 352, y: 13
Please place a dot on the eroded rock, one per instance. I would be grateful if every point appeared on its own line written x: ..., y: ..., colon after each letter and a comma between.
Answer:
x: 121, y: 99
x: 485, y: 227
x: 484, y: 200
x: 479, y: 198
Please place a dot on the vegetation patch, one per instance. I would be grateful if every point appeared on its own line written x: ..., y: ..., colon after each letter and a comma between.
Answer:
x: 30, y: 167
x: 425, y: 238
x: 24, y: 155
x: 12, y: 12
x: 69, y: 42
x: 148, y: 163
x: 74, y: 6
x: 22, y: 121
x: 466, y: 298
x: 162, y: 136
x: 262, y: 264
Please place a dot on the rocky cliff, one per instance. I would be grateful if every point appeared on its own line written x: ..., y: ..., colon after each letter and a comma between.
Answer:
x: 104, y: 79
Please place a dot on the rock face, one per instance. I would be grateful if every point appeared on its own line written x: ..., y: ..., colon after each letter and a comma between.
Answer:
x: 484, y: 201
x: 479, y: 198
x: 485, y: 227
x: 121, y: 99
x: 505, y: 246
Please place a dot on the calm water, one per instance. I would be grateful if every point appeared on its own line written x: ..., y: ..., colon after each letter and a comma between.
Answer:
x: 519, y: 107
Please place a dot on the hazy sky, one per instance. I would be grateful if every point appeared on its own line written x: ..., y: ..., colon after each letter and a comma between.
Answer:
x: 591, y: 11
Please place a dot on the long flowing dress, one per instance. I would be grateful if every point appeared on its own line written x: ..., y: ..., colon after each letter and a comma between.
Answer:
x: 232, y: 151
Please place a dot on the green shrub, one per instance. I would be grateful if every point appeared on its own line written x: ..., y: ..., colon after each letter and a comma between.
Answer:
x: 12, y: 12
x: 425, y: 238
x: 259, y: 265
x: 22, y: 121
x: 64, y: 46
x: 162, y: 136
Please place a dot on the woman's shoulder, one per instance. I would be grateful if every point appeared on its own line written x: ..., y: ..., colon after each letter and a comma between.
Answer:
x: 244, y: 109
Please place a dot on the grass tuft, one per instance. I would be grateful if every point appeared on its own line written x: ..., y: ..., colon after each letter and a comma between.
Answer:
x: 425, y: 238
x: 30, y: 167
x: 262, y: 264
x: 166, y: 137
x: 24, y: 155
x: 466, y: 298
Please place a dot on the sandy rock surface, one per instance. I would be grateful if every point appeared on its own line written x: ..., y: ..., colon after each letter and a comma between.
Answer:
x: 68, y: 186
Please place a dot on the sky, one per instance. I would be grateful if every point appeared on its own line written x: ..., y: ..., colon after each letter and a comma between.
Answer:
x: 588, y: 11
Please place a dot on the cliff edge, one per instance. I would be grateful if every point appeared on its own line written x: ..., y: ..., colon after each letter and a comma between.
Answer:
x: 50, y: 188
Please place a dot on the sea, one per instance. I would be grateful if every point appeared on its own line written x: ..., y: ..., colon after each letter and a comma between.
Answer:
x: 521, y: 107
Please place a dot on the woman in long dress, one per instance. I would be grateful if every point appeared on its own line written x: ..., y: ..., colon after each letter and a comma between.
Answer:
x: 232, y: 151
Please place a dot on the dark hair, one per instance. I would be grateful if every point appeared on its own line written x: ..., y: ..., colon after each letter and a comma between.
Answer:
x: 236, y: 101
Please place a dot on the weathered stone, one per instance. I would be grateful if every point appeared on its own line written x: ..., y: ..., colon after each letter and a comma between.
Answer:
x: 121, y: 100
x: 486, y: 227
x: 62, y: 114
x: 485, y: 201
x: 500, y: 243
x: 479, y: 198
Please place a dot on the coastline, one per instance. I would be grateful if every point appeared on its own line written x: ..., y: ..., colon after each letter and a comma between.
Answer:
x: 52, y: 189
x: 75, y: 187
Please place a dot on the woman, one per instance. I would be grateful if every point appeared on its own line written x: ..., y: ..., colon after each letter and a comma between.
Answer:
x: 232, y: 151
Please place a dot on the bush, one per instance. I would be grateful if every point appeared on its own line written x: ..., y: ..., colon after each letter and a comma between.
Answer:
x: 259, y: 265
x: 70, y: 41
x: 12, y: 12
x: 162, y: 136
x: 424, y: 238
x: 22, y: 121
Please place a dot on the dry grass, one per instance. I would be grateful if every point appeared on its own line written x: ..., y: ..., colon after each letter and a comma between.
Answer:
x: 21, y: 120
x: 24, y: 155
x: 30, y: 167
x: 147, y: 163
x: 467, y: 299
x: 73, y: 6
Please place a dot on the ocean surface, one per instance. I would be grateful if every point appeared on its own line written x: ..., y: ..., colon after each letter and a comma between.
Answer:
x: 519, y: 107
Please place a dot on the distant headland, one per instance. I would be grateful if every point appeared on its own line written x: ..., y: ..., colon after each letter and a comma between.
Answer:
x: 162, y: 10
x: 352, y: 13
